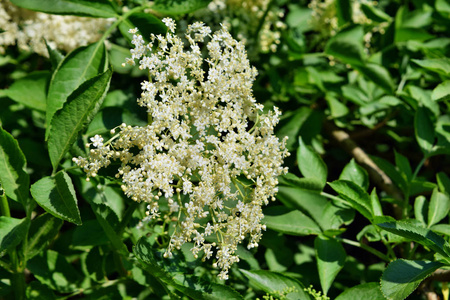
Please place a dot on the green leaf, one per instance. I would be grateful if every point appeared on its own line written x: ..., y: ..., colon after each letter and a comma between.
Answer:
x: 375, y: 204
x: 170, y: 271
x: 77, y: 112
x: 347, y: 46
x: 439, y: 65
x: 443, y: 182
x: 403, y: 166
x: 307, y: 201
x: 13, y: 177
x: 402, y: 277
x: 311, y: 164
x: 392, y: 172
x: 335, y: 214
x: 421, y: 209
x: 441, y: 92
x: 439, y: 207
x: 55, y: 57
x: 178, y: 7
x: 89, y: 234
x: 378, y: 74
x: 53, y: 270
x: 366, y: 291
x: 56, y: 195
x: 12, y: 232
x: 330, y: 257
x: 355, y: 173
x: 418, y: 234
x: 147, y: 24
x: 31, y: 90
x: 423, y: 97
x: 78, y: 66
x: 292, y: 222
x: 275, y: 283
x: 38, y: 291
x: 343, y: 11
x: 302, y: 183
x: 374, y: 13
x: 424, y: 130
x: 104, y: 214
x: 88, y: 8
x: 337, y: 108
x: 406, y: 34
x: 354, y: 195
x: 43, y: 230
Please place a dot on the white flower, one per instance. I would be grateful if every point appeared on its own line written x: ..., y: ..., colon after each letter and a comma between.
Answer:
x: 206, y: 134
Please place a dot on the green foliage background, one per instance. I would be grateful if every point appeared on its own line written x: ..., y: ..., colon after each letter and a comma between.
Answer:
x: 362, y: 213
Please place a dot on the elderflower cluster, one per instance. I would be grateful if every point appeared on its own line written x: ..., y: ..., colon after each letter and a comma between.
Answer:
x: 325, y: 21
x: 246, y: 17
x: 28, y: 30
x: 208, y: 152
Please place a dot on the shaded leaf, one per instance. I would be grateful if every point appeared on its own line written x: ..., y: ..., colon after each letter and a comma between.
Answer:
x: 439, y: 207
x: 311, y: 164
x: 12, y: 232
x: 43, y: 230
x: 13, y: 177
x: 147, y: 24
x: 31, y: 90
x: 424, y: 130
x: 402, y: 277
x: 274, y: 283
x: 366, y: 291
x: 56, y: 195
x: 178, y: 7
x: 293, y: 222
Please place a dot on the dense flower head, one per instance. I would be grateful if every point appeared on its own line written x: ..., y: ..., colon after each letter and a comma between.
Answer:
x: 209, y: 152
x: 29, y: 30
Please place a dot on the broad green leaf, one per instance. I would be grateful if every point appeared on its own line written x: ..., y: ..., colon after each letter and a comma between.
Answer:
x: 423, y: 97
x: 307, y: 201
x: 402, y: 277
x: 292, y: 222
x: 443, y: 182
x: 56, y: 195
x: 374, y: 13
x: 77, y: 112
x: 403, y: 166
x: 424, y: 130
x: 13, y: 177
x: 439, y: 65
x: 421, y: 209
x: 104, y: 214
x: 354, y: 195
x: 275, y: 283
x: 302, y: 183
x: 311, y: 164
x: 335, y: 214
x: 38, y: 291
x: 392, y: 172
x: 89, y: 8
x: 178, y: 7
x: 366, y: 291
x: 78, y: 66
x: 172, y: 272
x: 375, y: 204
x: 441, y: 92
x: 330, y: 256
x: 89, y: 234
x: 418, y: 234
x: 146, y: 23
x: 443, y: 7
x: 31, y: 90
x: 43, y: 230
x: 291, y: 124
x: 439, y: 207
x: 337, y: 108
x: 55, y: 58
x: 53, y: 270
x: 12, y: 232
x: 347, y: 49
x: 343, y: 11
x: 355, y: 173
x: 406, y: 34
x: 378, y: 74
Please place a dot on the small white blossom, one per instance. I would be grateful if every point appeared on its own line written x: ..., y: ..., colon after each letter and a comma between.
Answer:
x: 207, y: 149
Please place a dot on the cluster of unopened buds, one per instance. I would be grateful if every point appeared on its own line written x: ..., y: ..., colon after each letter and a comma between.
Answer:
x: 208, y: 160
